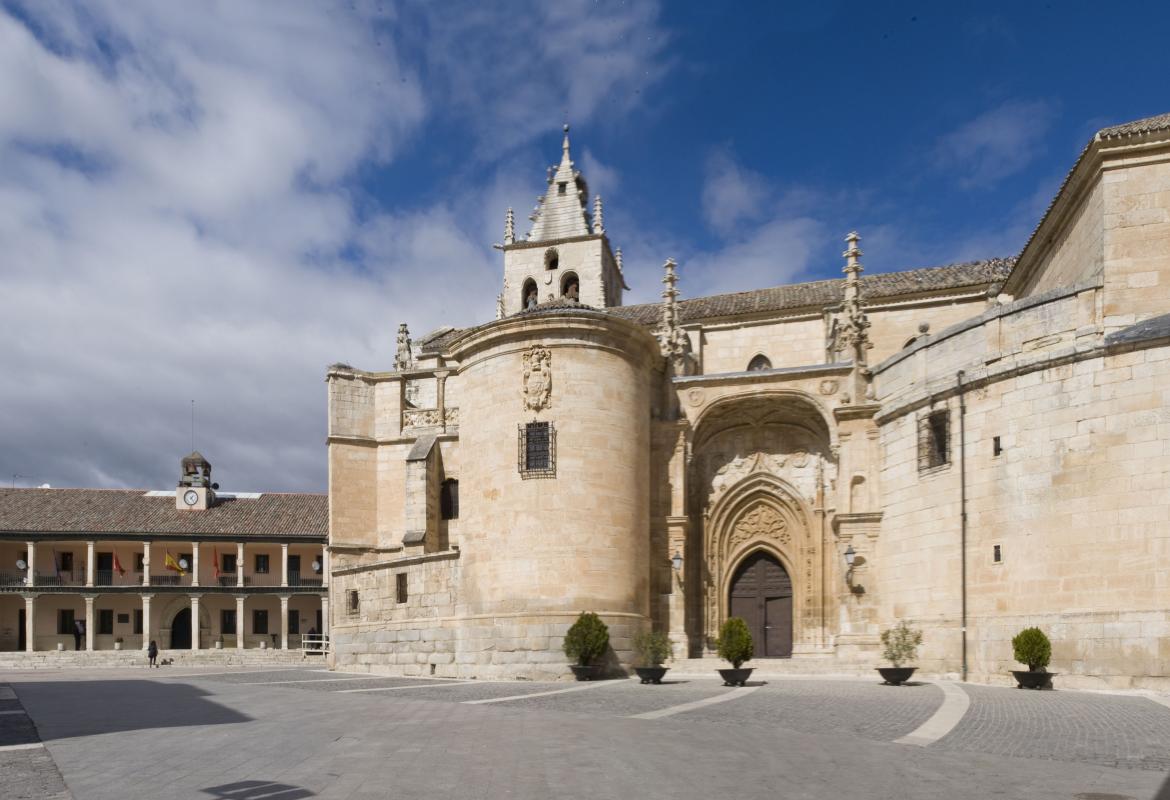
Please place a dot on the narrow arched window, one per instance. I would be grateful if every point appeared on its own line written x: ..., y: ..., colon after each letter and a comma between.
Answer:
x: 552, y: 259
x: 449, y: 499
x: 758, y: 363
x: 529, y: 297
x: 571, y: 286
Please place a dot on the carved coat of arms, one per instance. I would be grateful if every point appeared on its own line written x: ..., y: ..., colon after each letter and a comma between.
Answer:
x: 537, y: 378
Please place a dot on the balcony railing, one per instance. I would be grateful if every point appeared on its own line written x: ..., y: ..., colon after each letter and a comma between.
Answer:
x: 105, y: 577
x: 74, y: 577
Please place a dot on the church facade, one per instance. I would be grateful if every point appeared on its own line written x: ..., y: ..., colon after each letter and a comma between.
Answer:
x: 974, y: 448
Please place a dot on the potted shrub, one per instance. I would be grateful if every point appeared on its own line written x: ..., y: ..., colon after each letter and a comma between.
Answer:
x: 118, y: 643
x: 585, y: 643
x: 1033, y: 648
x: 899, y: 645
x: 651, y: 648
x: 735, y: 645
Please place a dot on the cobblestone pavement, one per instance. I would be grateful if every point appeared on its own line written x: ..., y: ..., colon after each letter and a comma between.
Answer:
x: 27, y: 772
x: 292, y: 734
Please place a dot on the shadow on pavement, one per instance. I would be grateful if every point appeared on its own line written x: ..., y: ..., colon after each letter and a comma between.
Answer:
x: 257, y: 790
x: 68, y: 709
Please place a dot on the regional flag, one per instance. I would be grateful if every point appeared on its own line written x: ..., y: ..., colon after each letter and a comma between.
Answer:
x: 215, y: 561
x: 118, y: 564
x: 170, y: 563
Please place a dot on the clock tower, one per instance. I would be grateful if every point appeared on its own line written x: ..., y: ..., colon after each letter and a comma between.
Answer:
x: 195, y: 492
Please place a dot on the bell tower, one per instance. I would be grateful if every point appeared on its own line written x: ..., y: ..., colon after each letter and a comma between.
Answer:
x: 195, y: 491
x: 566, y: 256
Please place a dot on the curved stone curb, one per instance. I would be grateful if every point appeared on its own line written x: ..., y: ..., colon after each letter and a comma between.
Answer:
x: 954, y: 706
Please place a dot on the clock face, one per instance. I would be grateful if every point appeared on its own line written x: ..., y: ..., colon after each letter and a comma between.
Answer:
x: 191, y: 497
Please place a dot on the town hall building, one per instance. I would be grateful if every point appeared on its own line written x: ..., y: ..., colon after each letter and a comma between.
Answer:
x: 974, y: 448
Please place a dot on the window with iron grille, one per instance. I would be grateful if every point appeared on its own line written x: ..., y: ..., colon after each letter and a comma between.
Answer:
x: 352, y: 603
x: 934, y: 440
x: 536, y: 454
x: 400, y: 587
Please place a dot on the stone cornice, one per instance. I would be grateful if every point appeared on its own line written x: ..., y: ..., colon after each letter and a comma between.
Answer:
x: 762, y: 375
x: 394, y: 563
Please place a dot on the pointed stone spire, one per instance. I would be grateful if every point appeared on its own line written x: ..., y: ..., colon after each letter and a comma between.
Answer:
x: 500, y: 306
x: 563, y: 210
x: 403, y: 358
x: 673, y: 341
x: 853, y: 334
x: 598, y: 222
x: 509, y: 227
x: 617, y: 257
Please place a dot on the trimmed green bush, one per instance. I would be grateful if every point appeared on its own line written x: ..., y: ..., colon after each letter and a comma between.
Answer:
x: 651, y: 648
x: 735, y: 642
x: 900, y: 644
x: 587, y: 639
x: 1032, y: 647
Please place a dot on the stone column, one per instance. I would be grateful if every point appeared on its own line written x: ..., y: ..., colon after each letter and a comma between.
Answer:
x: 31, y: 579
x: 284, y: 564
x: 89, y: 623
x: 146, y: 598
x: 441, y: 397
x: 240, y: 620
x: 89, y: 565
x: 325, y: 567
x: 30, y: 617
x: 324, y: 615
x: 194, y: 622
x: 194, y: 563
x: 284, y: 622
x: 146, y: 563
x: 239, y: 564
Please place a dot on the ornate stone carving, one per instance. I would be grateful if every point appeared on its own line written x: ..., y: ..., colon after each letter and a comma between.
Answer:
x: 403, y: 357
x: 828, y: 386
x: 421, y: 417
x: 761, y: 522
x: 451, y: 413
x: 695, y: 397
x: 537, y: 391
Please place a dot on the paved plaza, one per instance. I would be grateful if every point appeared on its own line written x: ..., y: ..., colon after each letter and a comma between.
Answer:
x: 283, y: 734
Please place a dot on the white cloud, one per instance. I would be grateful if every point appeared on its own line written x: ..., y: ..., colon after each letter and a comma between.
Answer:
x: 732, y: 193
x: 996, y: 144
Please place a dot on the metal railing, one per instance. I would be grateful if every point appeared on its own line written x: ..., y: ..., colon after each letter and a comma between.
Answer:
x: 315, y: 643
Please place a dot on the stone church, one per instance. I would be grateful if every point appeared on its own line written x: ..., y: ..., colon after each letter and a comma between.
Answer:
x: 974, y: 448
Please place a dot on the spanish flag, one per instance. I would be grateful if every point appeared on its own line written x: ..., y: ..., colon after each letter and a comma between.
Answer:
x: 170, y: 563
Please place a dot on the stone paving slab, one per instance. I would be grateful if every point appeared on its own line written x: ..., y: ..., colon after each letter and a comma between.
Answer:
x: 860, y: 708
x: 193, y: 738
x: 1110, y: 730
x: 624, y: 698
x: 31, y: 775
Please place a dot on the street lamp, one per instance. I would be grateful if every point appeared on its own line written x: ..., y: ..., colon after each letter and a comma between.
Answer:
x: 850, y: 556
x: 676, y: 561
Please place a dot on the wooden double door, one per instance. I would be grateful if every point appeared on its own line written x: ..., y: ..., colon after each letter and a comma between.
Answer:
x: 761, y: 594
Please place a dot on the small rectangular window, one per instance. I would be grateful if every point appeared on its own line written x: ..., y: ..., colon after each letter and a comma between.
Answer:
x: 227, y: 621
x: 996, y: 447
x: 261, y: 563
x: 352, y: 604
x: 562, y: 187
x: 449, y: 499
x: 138, y: 620
x: 259, y: 620
x: 228, y: 562
x: 996, y: 554
x: 105, y: 620
x: 537, y: 450
x: 400, y: 580
x: 123, y: 619
x: 934, y: 440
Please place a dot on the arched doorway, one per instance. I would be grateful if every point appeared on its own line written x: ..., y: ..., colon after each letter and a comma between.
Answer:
x: 761, y: 594
x: 181, y: 630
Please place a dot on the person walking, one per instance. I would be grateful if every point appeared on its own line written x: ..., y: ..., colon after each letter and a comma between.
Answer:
x: 78, y: 633
x: 152, y: 654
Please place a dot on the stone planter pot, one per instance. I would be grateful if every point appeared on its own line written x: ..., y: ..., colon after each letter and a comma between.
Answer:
x: 586, y: 672
x: 218, y: 645
x: 651, y: 674
x: 263, y: 645
x: 895, y: 676
x: 117, y: 645
x: 1026, y: 679
x: 60, y: 646
x: 735, y: 677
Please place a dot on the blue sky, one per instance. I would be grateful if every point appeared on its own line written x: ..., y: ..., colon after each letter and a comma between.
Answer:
x: 213, y: 201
